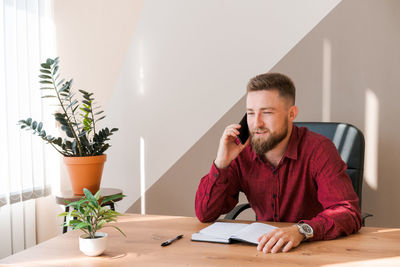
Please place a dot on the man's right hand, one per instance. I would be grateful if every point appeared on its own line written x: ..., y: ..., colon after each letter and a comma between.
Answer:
x: 228, y: 150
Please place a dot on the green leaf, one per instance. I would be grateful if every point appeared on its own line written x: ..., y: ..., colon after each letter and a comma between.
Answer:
x: 97, y: 113
x: 107, y: 199
x: 83, y: 133
x: 81, y: 225
x: 61, y: 82
x: 72, y: 104
x: 29, y: 121
x: 46, y: 88
x: 49, y: 61
x: 101, y: 118
x: 74, y: 222
x: 45, y: 71
x: 45, y: 76
x: 97, y: 195
x: 39, y: 128
x: 114, y: 130
x: 88, y: 103
x: 46, y: 66
x: 90, y: 197
x: 69, y: 134
x: 44, y: 81
x: 119, y: 230
x: 48, y: 96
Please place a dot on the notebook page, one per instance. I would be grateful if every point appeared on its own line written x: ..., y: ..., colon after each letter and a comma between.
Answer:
x: 253, y: 231
x: 222, y: 229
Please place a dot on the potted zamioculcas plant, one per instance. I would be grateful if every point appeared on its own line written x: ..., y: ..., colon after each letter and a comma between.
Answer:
x: 90, y: 215
x: 84, y: 145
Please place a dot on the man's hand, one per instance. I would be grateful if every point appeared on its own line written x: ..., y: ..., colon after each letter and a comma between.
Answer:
x: 281, y: 238
x: 228, y: 150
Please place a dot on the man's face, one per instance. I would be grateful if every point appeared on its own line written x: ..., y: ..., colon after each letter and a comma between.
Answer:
x: 267, y: 117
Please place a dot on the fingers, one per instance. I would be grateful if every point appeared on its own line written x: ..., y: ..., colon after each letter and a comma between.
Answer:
x: 261, y: 242
x: 231, y: 130
x: 278, y: 240
x: 277, y: 247
x: 288, y: 246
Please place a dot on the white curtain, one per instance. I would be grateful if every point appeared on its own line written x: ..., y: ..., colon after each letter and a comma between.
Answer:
x: 27, y: 165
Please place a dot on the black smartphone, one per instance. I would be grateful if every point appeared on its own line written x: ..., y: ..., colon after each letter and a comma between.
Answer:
x: 244, y: 130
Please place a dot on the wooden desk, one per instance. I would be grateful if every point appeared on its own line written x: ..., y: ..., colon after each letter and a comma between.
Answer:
x: 370, y: 247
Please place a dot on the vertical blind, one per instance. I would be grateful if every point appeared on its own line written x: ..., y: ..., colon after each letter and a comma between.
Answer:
x: 27, y: 166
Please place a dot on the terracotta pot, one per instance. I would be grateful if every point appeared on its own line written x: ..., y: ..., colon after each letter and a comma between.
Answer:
x: 85, y: 172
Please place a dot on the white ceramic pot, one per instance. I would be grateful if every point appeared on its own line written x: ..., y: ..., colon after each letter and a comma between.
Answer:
x: 93, y: 246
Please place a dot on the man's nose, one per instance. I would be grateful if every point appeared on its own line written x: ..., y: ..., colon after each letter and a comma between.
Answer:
x: 259, y: 121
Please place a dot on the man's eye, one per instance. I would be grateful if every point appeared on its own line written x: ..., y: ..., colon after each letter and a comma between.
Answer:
x: 267, y: 112
x: 250, y: 113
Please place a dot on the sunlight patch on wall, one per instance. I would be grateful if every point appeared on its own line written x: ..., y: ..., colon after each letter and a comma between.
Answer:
x: 326, y: 80
x: 141, y: 71
x: 142, y: 177
x: 371, y: 138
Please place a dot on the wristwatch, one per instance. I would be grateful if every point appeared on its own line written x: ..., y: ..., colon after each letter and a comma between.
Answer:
x: 306, y: 230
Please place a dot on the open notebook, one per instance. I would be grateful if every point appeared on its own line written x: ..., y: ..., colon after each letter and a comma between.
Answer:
x: 223, y: 232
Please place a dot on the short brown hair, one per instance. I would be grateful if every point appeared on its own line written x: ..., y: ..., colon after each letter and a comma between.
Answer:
x: 274, y: 81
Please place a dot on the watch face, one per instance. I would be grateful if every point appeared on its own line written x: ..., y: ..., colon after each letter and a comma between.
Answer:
x: 307, y: 228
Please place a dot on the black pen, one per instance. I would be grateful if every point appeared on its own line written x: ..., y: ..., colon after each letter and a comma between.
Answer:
x: 169, y: 241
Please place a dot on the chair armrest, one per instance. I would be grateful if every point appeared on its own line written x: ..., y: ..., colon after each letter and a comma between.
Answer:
x: 365, y: 215
x: 236, y: 211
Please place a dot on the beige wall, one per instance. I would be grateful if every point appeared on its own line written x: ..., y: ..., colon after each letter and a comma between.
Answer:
x: 352, y: 56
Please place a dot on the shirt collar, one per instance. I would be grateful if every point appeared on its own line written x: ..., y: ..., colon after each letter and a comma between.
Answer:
x: 291, y: 151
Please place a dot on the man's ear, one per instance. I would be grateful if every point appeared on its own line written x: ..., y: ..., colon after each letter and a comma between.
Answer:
x: 292, y: 114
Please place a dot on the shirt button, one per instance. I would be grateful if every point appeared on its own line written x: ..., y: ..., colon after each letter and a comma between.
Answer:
x: 276, y: 216
x: 215, y: 175
x: 274, y: 195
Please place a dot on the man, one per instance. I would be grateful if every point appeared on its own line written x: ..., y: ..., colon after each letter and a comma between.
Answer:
x: 287, y: 173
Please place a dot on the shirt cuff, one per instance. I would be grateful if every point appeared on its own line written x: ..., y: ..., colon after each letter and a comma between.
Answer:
x: 317, y: 229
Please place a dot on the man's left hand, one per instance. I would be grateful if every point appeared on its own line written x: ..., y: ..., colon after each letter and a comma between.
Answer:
x: 281, y: 238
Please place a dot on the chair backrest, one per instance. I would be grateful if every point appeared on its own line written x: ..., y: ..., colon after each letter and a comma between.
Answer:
x: 349, y: 141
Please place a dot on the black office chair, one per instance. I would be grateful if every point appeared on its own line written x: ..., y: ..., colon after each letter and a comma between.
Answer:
x: 350, y: 143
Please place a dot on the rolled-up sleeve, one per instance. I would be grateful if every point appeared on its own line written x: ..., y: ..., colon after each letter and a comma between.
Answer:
x: 217, y: 193
x: 341, y: 214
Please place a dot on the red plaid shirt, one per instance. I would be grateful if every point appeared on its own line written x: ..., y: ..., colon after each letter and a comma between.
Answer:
x: 310, y: 185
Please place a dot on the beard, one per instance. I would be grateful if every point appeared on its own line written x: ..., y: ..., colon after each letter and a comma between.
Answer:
x: 262, y: 145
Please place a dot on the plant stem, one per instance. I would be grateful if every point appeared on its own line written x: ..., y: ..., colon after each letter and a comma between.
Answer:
x: 66, y: 114
x: 91, y: 111
x: 64, y: 154
x: 73, y: 115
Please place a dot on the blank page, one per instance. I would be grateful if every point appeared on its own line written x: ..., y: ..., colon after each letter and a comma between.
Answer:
x: 253, y: 232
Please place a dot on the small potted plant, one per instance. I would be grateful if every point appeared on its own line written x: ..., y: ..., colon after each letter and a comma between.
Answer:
x: 89, y: 215
x: 83, y: 146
